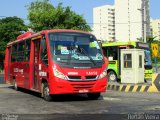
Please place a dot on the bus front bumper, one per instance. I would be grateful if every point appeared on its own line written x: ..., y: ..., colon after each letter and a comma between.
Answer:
x: 72, y: 87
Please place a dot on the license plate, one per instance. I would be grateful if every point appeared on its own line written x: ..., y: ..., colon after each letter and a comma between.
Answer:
x: 83, y: 91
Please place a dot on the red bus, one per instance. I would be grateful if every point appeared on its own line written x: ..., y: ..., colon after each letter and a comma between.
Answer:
x: 56, y: 62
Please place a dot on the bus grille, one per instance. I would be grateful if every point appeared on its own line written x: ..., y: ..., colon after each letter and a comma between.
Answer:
x: 78, y: 87
x: 74, y: 77
x: 79, y: 78
x: 91, y: 77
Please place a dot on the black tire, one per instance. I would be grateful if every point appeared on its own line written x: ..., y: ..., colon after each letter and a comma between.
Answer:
x: 46, y: 94
x: 93, y: 96
x: 112, y: 77
x: 15, y: 84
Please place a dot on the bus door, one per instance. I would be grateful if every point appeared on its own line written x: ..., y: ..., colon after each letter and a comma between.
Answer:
x: 35, y: 82
x: 43, y: 64
x: 113, y: 67
x: 119, y: 61
x: 26, y: 66
x: 113, y: 58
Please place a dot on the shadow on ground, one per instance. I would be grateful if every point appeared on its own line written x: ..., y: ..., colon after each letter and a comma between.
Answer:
x: 58, y: 98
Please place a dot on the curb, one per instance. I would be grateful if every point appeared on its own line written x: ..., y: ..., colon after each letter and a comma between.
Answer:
x: 129, y: 88
x: 154, y: 87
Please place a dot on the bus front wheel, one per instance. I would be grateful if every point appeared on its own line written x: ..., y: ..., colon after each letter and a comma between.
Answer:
x: 46, y: 94
x: 112, y: 77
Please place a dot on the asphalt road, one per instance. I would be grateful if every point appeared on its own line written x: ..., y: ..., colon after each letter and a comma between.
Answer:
x: 28, y: 105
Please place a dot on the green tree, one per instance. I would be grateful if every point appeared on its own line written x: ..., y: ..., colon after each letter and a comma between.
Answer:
x: 151, y: 39
x: 43, y: 15
x: 10, y: 28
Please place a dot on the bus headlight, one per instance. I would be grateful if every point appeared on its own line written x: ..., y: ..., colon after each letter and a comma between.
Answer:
x: 58, y: 74
x: 103, y: 74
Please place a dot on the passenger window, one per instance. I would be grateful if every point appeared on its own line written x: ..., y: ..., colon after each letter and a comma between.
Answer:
x: 20, y: 52
x: 14, y: 53
x: 127, y: 60
x: 44, y: 55
x: 27, y: 50
x: 140, y: 61
x: 21, y: 46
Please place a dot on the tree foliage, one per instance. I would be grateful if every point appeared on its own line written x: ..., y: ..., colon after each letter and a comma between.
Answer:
x: 43, y: 15
x: 150, y: 40
x: 10, y: 28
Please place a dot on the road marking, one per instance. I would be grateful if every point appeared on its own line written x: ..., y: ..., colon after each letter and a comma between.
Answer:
x: 111, y: 99
x: 153, y: 108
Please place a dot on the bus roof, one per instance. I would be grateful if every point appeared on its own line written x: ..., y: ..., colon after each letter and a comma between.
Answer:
x: 65, y: 30
x: 44, y: 32
x: 135, y: 44
x: 118, y: 43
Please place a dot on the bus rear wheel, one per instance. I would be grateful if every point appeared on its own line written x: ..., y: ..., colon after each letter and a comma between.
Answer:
x: 15, y: 84
x: 93, y: 96
x: 45, y: 91
x: 112, y: 77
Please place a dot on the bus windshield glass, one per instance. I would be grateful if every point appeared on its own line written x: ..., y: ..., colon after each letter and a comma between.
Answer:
x: 75, y: 47
x: 147, y: 53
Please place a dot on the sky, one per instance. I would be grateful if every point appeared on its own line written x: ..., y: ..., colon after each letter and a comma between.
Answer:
x: 83, y: 7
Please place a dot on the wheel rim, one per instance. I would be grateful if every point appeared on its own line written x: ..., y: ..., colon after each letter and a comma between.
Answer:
x: 46, y: 92
x: 15, y: 85
x: 112, y: 77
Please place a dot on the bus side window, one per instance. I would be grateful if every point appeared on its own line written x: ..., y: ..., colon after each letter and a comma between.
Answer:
x: 27, y: 50
x: 44, y: 55
x: 105, y: 51
x: 112, y: 53
x: 14, y: 53
x: 20, y: 52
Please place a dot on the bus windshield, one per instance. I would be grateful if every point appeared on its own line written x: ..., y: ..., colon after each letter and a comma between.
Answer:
x: 147, y: 53
x: 75, y: 48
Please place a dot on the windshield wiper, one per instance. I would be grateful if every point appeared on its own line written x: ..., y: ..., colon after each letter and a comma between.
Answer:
x: 71, y: 48
x: 90, y: 58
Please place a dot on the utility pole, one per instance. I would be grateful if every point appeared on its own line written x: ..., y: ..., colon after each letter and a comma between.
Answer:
x: 143, y: 10
x: 144, y: 20
x: 129, y: 22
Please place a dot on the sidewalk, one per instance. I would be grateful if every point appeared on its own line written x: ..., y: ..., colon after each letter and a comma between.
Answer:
x: 5, y: 85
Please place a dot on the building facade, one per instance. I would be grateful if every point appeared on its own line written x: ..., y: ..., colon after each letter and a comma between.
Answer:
x: 104, y: 23
x: 155, y: 29
x: 126, y: 20
x: 132, y: 20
